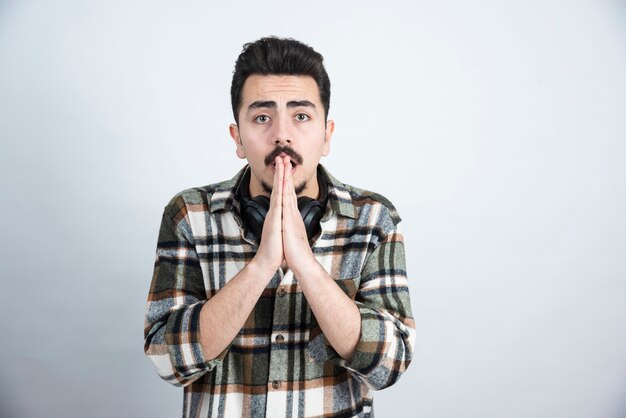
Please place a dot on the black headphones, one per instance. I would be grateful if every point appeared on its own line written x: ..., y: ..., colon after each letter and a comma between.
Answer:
x: 254, y: 210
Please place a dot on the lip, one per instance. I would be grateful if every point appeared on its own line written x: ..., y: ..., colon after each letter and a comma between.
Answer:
x: 294, y: 167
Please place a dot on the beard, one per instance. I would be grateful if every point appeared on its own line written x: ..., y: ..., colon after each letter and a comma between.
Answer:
x: 268, y: 189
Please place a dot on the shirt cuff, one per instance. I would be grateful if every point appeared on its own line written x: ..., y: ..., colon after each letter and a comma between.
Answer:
x: 183, y: 340
x: 379, y: 351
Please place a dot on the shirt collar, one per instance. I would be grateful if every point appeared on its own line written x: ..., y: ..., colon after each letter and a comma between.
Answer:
x: 225, y: 196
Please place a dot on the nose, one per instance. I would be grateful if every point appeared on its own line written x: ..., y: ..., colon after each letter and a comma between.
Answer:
x: 282, y: 141
x: 282, y: 133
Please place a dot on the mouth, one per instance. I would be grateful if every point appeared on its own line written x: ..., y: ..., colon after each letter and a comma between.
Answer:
x: 293, y: 165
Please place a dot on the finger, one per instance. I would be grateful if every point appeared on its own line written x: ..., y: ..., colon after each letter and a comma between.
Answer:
x: 289, y: 191
x: 286, y: 162
x: 293, y: 225
x: 277, y: 190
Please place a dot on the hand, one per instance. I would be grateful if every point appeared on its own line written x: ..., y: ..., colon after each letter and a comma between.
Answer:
x: 270, y: 252
x: 298, y: 254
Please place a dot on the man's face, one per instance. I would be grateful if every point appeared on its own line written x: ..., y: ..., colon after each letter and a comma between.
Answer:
x: 282, y: 115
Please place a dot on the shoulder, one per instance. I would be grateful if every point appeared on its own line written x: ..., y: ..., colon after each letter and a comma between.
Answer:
x: 213, y: 197
x: 193, y: 195
x: 200, y: 199
x: 367, y: 199
x: 362, y: 204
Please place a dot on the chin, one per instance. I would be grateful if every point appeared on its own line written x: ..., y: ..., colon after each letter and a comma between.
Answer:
x: 301, y: 187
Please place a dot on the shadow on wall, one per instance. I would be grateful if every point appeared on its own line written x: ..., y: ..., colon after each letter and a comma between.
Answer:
x: 620, y: 410
x: 7, y: 410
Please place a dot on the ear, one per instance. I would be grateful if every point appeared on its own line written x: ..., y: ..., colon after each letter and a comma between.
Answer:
x: 233, y: 129
x: 330, y: 128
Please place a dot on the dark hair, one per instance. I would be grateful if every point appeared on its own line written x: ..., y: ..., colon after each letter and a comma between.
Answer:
x: 278, y: 56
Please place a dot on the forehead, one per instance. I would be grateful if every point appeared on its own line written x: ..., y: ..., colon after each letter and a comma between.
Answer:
x: 280, y: 88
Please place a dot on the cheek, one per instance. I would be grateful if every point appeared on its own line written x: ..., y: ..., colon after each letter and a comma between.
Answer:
x: 256, y: 155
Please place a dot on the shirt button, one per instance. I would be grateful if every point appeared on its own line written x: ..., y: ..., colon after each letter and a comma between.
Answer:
x: 275, y: 384
x: 281, y: 292
x: 280, y: 338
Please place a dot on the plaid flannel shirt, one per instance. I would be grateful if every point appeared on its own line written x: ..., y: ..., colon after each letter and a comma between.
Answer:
x: 280, y: 364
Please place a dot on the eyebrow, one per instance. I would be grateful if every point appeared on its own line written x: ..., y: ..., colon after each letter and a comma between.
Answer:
x: 270, y: 104
x: 300, y: 103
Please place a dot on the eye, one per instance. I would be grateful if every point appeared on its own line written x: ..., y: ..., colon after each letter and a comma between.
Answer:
x: 302, y: 117
x: 262, y: 119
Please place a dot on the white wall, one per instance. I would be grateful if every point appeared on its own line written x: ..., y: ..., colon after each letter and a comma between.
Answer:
x: 498, y: 129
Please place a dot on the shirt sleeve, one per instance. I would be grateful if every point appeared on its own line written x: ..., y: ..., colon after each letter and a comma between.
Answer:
x: 385, y: 346
x: 176, y: 297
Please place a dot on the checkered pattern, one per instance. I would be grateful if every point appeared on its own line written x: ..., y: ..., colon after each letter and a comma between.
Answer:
x: 280, y: 364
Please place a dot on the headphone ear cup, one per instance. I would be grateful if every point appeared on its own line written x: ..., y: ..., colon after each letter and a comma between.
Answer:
x: 311, y: 211
x: 254, y: 212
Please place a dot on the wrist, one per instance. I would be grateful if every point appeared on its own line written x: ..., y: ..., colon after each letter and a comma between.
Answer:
x: 259, y: 268
x: 306, y: 267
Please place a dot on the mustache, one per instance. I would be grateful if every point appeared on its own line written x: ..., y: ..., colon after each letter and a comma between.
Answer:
x: 283, y: 150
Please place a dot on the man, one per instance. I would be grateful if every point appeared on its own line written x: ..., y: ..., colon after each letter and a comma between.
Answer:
x: 281, y: 292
